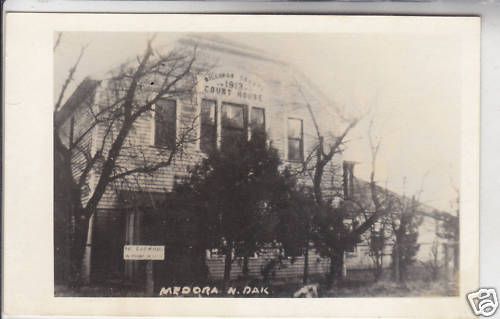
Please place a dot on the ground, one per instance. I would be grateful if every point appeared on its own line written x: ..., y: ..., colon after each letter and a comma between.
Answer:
x: 391, y: 289
x: 384, y: 288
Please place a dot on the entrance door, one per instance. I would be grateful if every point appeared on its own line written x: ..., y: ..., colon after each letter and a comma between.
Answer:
x: 107, y: 247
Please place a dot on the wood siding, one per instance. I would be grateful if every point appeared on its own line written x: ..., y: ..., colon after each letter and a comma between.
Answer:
x: 281, y: 99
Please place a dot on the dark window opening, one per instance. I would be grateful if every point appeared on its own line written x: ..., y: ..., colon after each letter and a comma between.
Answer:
x: 71, y: 131
x: 258, y: 124
x: 348, y: 170
x: 107, y: 246
x: 241, y: 252
x: 208, y: 127
x: 294, y: 251
x: 165, y: 123
x: 295, y: 140
x: 234, y: 124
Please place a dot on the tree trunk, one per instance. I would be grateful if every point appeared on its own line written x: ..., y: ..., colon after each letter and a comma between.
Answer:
x: 65, y: 210
x: 456, y: 257
x: 395, y: 263
x: 305, y: 278
x: 435, y: 270
x: 78, y: 247
x: 245, y: 269
x: 446, y: 262
x: 381, y: 267
x: 62, y: 234
x: 227, y: 264
x: 339, y: 265
x: 402, y: 270
x: 378, y: 267
x: 336, y: 266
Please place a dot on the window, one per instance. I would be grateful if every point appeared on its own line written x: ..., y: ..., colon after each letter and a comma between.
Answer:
x: 258, y: 123
x: 71, y: 131
x: 351, y: 251
x: 234, y: 124
x: 214, y: 253
x: 165, y: 123
x: 295, y: 140
x: 208, y: 127
x: 293, y: 251
x: 348, y: 168
x: 240, y: 252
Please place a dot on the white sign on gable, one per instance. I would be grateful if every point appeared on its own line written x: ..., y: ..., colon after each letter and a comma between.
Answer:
x: 225, y: 83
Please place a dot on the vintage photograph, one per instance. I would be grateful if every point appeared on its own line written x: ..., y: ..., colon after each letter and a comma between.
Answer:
x: 256, y: 165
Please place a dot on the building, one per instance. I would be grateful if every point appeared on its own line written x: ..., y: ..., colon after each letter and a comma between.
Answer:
x: 231, y: 92
x: 437, y: 251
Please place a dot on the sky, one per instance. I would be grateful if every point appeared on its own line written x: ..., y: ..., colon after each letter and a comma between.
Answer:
x: 408, y: 87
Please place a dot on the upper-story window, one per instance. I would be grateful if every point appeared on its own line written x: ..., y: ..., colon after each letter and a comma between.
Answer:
x: 258, y: 123
x: 348, y: 168
x: 71, y: 131
x: 295, y: 140
x: 208, y: 127
x: 165, y: 123
x: 234, y: 124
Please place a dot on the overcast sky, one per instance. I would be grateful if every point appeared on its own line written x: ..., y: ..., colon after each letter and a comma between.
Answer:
x: 409, y: 86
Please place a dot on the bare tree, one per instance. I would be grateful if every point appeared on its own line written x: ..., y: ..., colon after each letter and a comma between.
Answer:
x: 367, y: 204
x: 126, y: 98
x: 368, y: 207
x: 433, y: 264
x: 378, y: 238
x: 449, y: 230
x: 327, y: 224
x: 326, y: 227
x: 405, y: 223
x: 329, y: 229
x: 399, y: 215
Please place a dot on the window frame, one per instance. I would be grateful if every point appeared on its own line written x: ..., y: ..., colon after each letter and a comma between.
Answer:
x: 244, y: 130
x: 71, y: 136
x: 301, y: 140
x: 153, y: 123
x: 348, y: 179
x: 216, y: 123
x: 219, y: 118
x: 263, y: 109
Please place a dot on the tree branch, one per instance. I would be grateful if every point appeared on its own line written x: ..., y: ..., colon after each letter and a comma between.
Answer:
x: 69, y: 78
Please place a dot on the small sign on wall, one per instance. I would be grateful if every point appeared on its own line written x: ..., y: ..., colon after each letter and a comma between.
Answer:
x: 143, y: 252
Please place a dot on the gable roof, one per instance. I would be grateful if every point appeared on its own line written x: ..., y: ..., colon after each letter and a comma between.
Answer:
x: 362, y: 196
x: 85, y: 90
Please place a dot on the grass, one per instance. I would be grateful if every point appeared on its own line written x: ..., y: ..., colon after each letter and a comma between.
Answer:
x: 285, y: 289
x: 416, y: 288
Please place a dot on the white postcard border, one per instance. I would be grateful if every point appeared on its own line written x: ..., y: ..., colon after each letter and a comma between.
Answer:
x: 28, y: 232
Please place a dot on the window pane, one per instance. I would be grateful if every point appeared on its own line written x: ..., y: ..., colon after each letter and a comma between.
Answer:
x: 234, y: 124
x: 295, y: 140
x: 294, y: 128
x: 233, y: 115
x: 348, y: 180
x: 258, y: 119
x: 258, y: 125
x: 294, y: 150
x: 208, y: 129
x: 294, y: 251
x: 208, y: 112
x: 165, y: 123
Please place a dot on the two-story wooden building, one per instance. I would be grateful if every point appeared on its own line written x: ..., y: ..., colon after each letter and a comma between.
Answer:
x: 238, y: 92
x: 234, y: 91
